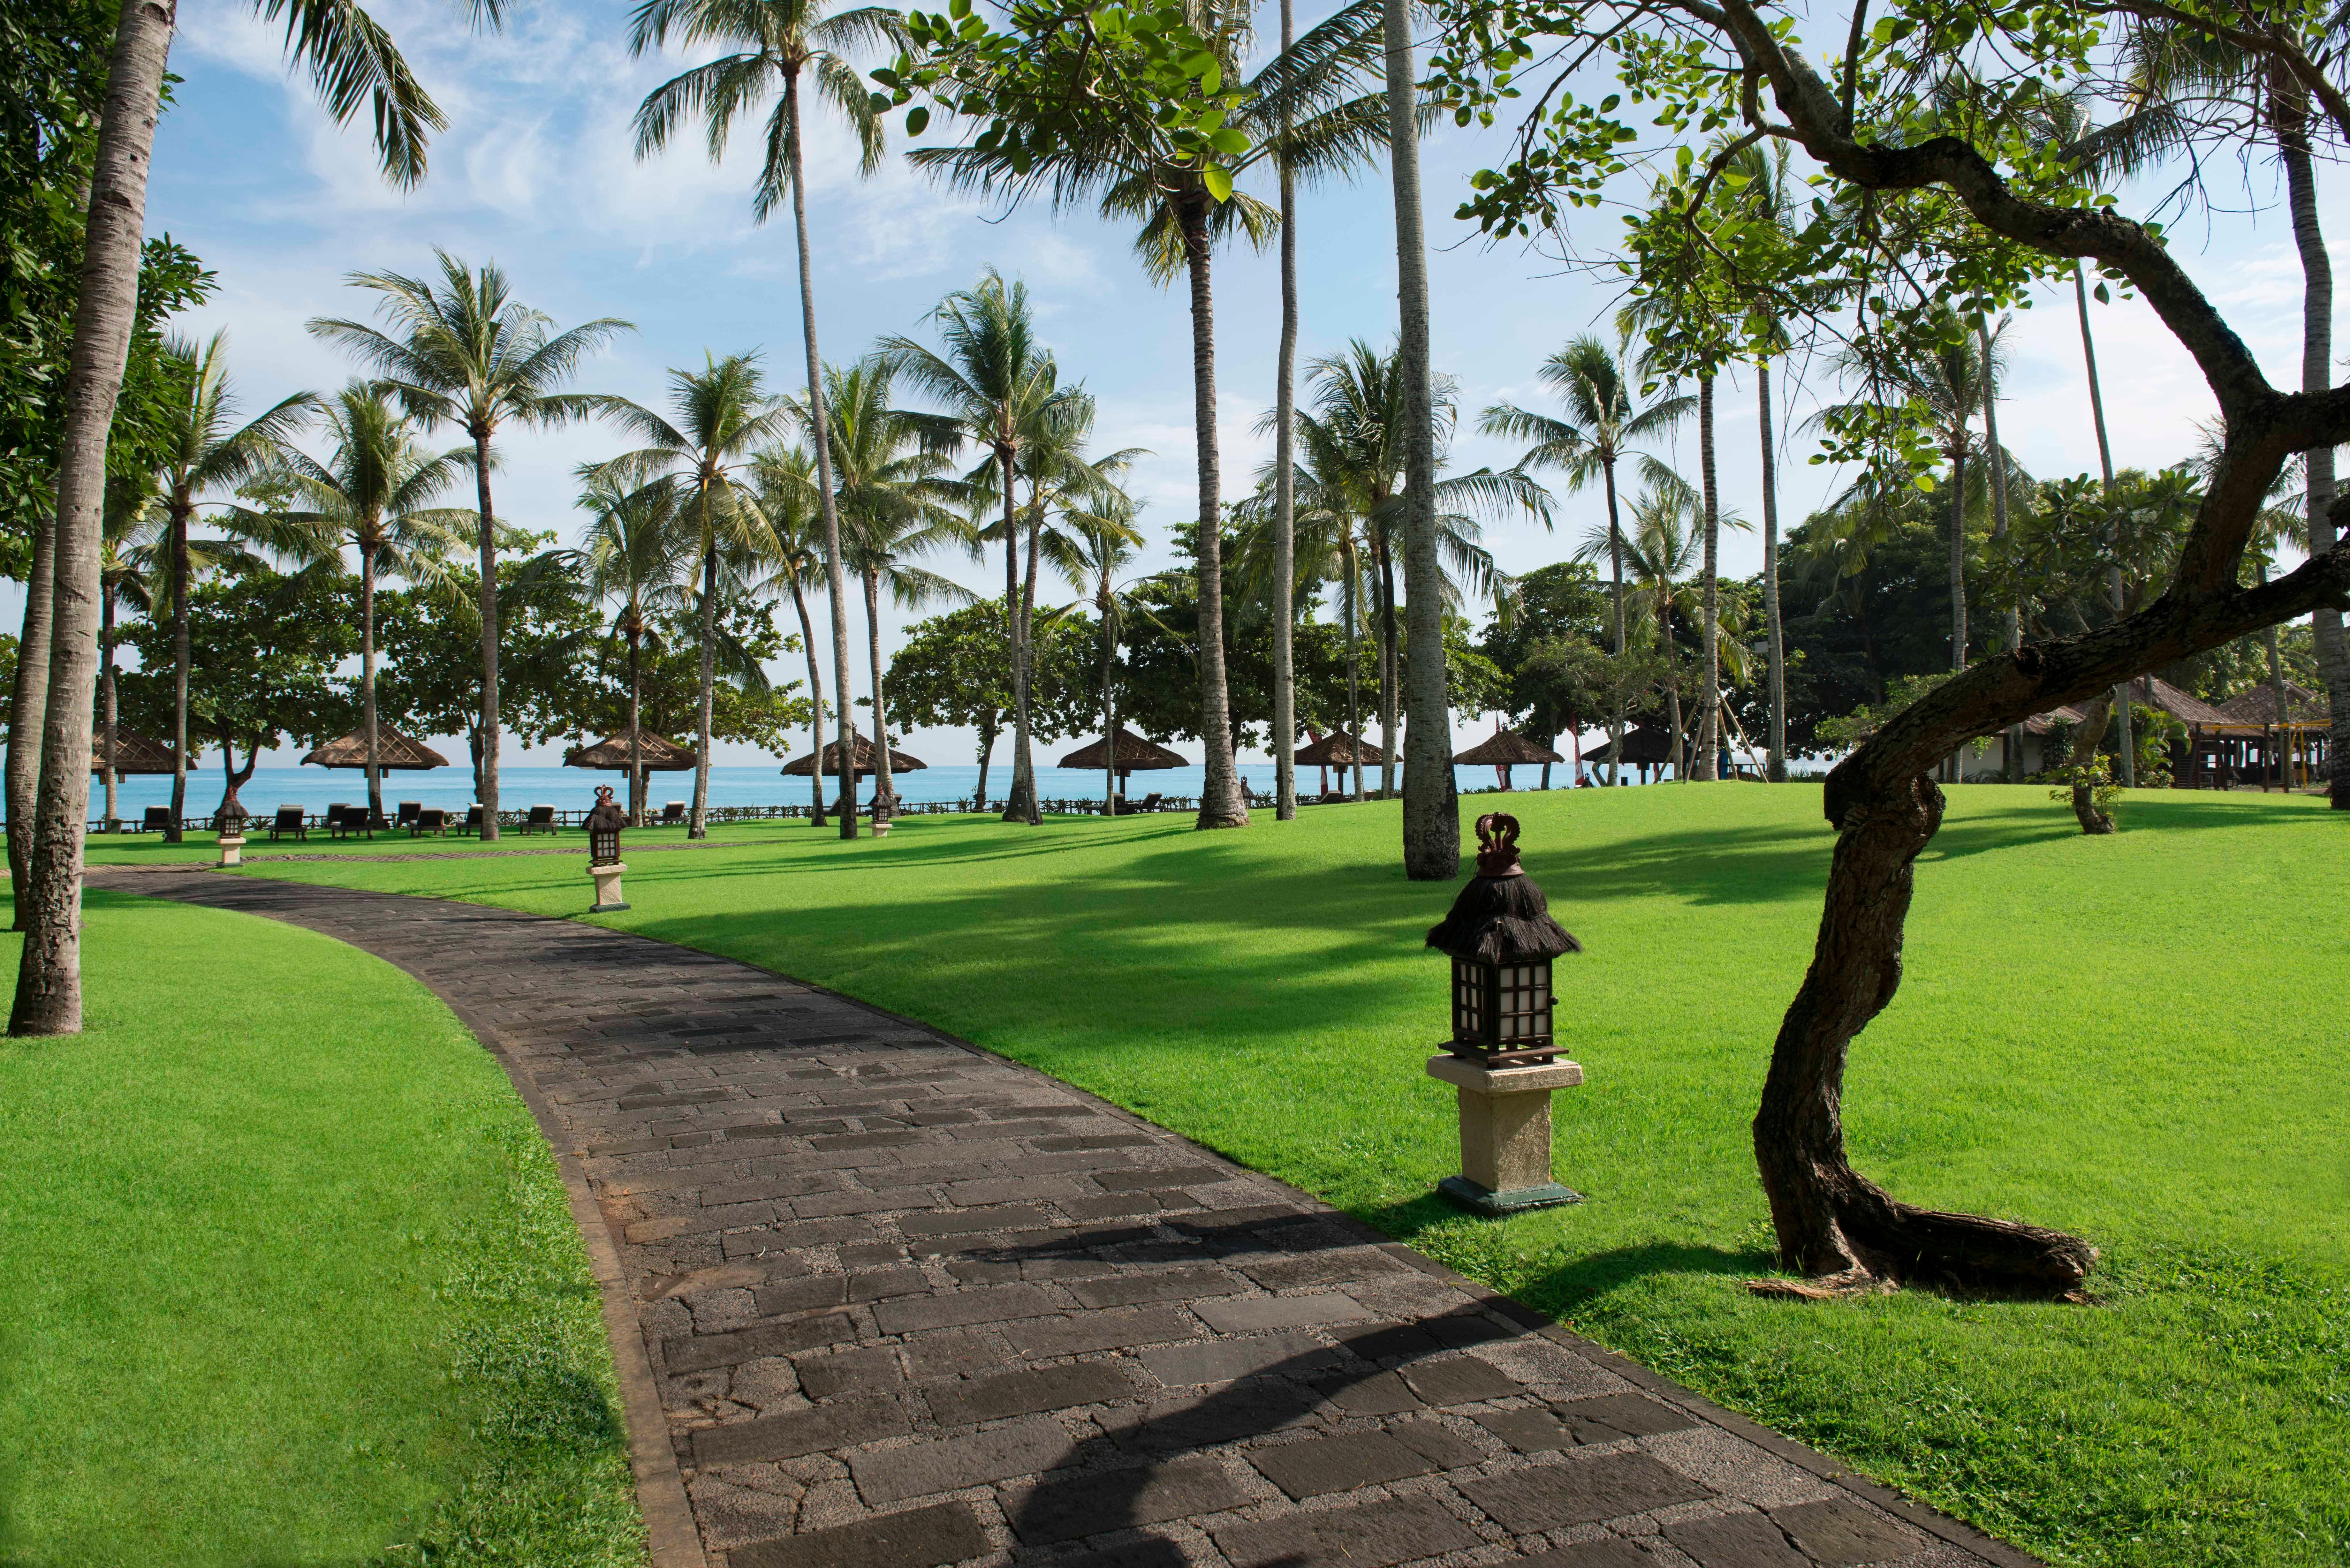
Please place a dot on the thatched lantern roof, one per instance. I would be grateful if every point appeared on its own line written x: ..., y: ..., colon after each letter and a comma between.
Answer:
x: 862, y: 759
x: 134, y: 752
x: 393, y: 751
x: 1507, y: 748
x: 1336, y: 750
x: 1131, y: 753
x: 661, y: 754
x: 1500, y: 917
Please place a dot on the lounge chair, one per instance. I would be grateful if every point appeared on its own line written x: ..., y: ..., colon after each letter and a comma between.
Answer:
x: 343, y: 817
x: 408, y: 810
x: 290, y: 819
x: 540, y: 820
x: 157, y: 819
x: 672, y: 813
x: 472, y: 820
x: 433, y: 820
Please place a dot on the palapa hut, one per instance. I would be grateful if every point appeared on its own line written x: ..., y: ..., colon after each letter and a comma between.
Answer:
x: 1644, y: 748
x: 2254, y: 740
x: 656, y: 754
x: 1507, y: 749
x: 1338, y: 750
x: 1130, y: 754
x: 861, y: 760
x: 134, y: 753
x: 394, y: 752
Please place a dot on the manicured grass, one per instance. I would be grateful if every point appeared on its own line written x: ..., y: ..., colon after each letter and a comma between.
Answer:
x: 2137, y: 1038
x: 149, y: 849
x: 291, y: 1276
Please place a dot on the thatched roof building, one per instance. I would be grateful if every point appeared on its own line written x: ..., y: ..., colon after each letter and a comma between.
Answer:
x: 2259, y: 706
x: 1133, y: 754
x: 1337, y: 749
x: 394, y: 752
x: 134, y: 752
x: 1507, y: 748
x: 862, y: 760
x: 661, y: 754
x: 1643, y: 747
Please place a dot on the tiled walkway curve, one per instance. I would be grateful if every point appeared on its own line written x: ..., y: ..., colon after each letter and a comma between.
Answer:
x: 903, y: 1304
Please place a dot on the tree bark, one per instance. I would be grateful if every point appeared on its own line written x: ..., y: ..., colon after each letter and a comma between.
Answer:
x: 1019, y: 802
x: 27, y: 704
x: 1221, y: 803
x: 1775, y: 760
x: 367, y: 681
x: 1708, y: 723
x: 1432, y: 811
x: 1285, y: 486
x: 636, y: 727
x: 489, y: 551
x: 2316, y: 364
x: 884, y: 793
x: 1383, y: 565
x: 2106, y: 469
x: 2095, y: 722
x: 1028, y: 651
x: 819, y: 435
x: 1354, y: 567
x: 2011, y: 741
x: 1615, y: 593
x: 111, y: 776
x: 698, y: 822
x: 48, y: 976
x: 986, y: 751
x: 1109, y: 706
x: 815, y: 698
x: 182, y: 661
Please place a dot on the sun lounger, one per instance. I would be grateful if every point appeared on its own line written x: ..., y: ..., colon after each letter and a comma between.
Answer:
x: 540, y: 820
x: 432, y: 819
x: 290, y: 820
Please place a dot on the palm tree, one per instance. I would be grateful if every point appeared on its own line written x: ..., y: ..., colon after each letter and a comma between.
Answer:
x: 639, y: 551
x: 1092, y: 553
x: 352, y: 61
x: 1002, y: 390
x: 1601, y: 429
x: 125, y: 576
x: 1330, y: 545
x: 1664, y: 546
x: 373, y: 491
x: 787, y: 490
x: 467, y: 353
x: 773, y: 43
x: 723, y: 419
x: 1295, y: 110
x: 896, y: 503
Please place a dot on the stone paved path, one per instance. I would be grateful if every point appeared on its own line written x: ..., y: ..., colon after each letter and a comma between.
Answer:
x: 881, y: 1300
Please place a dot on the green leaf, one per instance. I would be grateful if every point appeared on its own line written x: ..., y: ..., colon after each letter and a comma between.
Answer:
x: 1219, y: 182
x: 1924, y: 481
x: 2105, y: 296
x: 917, y: 119
x: 1231, y: 143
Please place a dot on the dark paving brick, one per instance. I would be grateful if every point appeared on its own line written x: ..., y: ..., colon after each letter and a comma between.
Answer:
x: 1843, y: 1534
x: 1095, y: 1502
x: 1529, y: 1431
x: 1227, y: 1416
x: 1320, y: 1466
x: 1170, y: 1285
x: 1026, y: 1393
x: 1247, y: 1314
x: 1735, y: 1541
x: 1220, y: 1360
x: 1022, y: 1447
x: 696, y: 1352
x: 1580, y: 1490
x: 1613, y: 1416
x: 1616, y: 1552
x: 1378, y: 1394
x: 1004, y: 1217
x: 1370, y: 1537
x: 869, y: 1371
x: 917, y: 1538
x: 796, y: 1432
x: 1080, y: 1333
x: 1459, y: 1380
x: 959, y: 1309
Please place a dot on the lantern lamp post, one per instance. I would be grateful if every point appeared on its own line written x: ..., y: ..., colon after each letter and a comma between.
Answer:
x: 1502, y: 1059
x: 603, y: 825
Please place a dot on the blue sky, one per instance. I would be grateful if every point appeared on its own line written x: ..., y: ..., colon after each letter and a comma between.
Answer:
x: 537, y: 172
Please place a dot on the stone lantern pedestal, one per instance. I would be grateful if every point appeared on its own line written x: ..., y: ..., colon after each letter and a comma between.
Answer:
x: 1505, y: 1134
x: 607, y: 888
x: 232, y: 849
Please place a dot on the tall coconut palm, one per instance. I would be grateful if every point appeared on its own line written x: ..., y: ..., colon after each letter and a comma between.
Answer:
x: 1603, y: 428
x: 787, y: 484
x: 352, y: 61
x: 125, y: 574
x: 374, y: 494
x: 637, y: 552
x: 896, y: 505
x: 1300, y: 109
x: 1330, y: 548
x: 775, y: 46
x: 466, y: 352
x: 1285, y: 494
x: 1002, y: 390
x: 723, y: 418
x: 1092, y: 553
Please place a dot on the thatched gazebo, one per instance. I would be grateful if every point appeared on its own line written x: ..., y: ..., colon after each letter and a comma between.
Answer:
x: 1644, y: 748
x: 656, y: 755
x: 394, y: 752
x: 133, y: 754
x: 2258, y: 705
x: 862, y: 760
x: 1506, y: 750
x: 1337, y: 749
x: 1131, y: 753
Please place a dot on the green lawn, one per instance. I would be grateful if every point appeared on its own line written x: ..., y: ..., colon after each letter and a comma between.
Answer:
x: 291, y: 1276
x: 2138, y: 1038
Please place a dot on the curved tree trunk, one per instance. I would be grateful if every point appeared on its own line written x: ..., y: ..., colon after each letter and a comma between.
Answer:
x: 48, y: 976
x: 367, y: 684
x: 1615, y: 598
x: 884, y: 793
x: 698, y: 822
x: 819, y: 436
x: 1221, y: 803
x: 2095, y: 722
x: 1705, y: 764
x: 1775, y: 758
x: 816, y: 700
x: 1285, y: 487
x: 27, y: 704
x: 2316, y: 356
x: 489, y: 549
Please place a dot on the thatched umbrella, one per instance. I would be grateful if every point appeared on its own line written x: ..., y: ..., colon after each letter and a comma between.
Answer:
x: 1507, y: 749
x: 1131, y: 753
x: 656, y: 754
x: 134, y: 753
x: 862, y: 760
x: 1643, y: 748
x: 393, y: 751
x: 1337, y: 749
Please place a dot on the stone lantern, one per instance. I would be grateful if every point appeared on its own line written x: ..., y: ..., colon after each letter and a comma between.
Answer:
x: 1501, y: 1060
x: 603, y: 825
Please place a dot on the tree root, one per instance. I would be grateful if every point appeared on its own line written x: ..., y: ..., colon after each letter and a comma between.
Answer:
x: 1887, y: 1244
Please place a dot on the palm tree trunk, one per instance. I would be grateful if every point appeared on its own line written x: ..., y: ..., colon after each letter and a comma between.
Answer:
x: 1355, y: 667
x: 1220, y: 804
x: 1028, y: 651
x: 884, y: 794
x: 48, y: 977
x: 636, y: 727
x: 819, y: 436
x: 106, y: 706
x: 1285, y: 486
x: 2316, y: 356
x: 1708, y: 723
x: 1776, y: 759
x: 1949, y: 771
x: 1672, y: 695
x: 1019, y: 803
x: 489, y: 551
x: 987, y: 733
x: 698, y: 825
x: 815, y: 714
x: 2105, y: 467
x: 1385, y: 567
x: 1431, y: 813
x: 1110, y: 712
x: 367, y: 681
x: 1616, y: 597
x: 2012, y: 741
x: 27, y: 703
x: 183, y: 659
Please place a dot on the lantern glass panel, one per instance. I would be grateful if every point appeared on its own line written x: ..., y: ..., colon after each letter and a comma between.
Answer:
x: 604, y: 847
x: 1471, y: 1018
x: 1524, y: 1003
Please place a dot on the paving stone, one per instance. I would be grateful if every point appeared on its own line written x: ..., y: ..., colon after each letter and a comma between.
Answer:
x: 1080, y: 1333
x: 1158, y: 1178
x: 1151, y: 1551
x: 959, y: 1309
x: 1003, y: 1217
x: 1394, y: 1342
x: 877, y: 1284
x: 1097, y: 1140
x: 1613, y: 1552
x: 696, y: 1352
x: 959, y: 1354
x: 790, y: 1238
x: 1320, y: 1466
x: 1248, y: 1314
x: 1378, y: 1394
x: 1094, y: 1502
x: 869, y: 1371
x: 1735, y: 1541
x: 796, y: 1432
x: 1220, y: 1360
x: 803, y: 1294
x: 1459, y: 1380
x: 1022, y: 1447
x: 1026, y: 1393
x: 1227, y: 1416
x: 1111, y: 1206
x: 1528, y: 1431
x: 1368, y: 1537
x: 1167, y: 1285
x: 1582, y: 1489
x: 1842, y: 1534
x: 1439, y: 1444
x: 1610, y: 1416
x: 1343, y: 1267
x: 928, y: 1537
